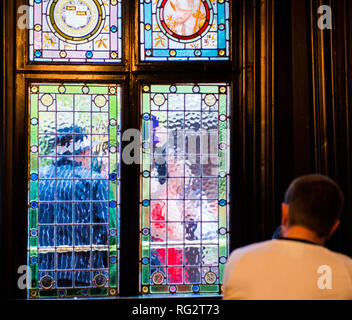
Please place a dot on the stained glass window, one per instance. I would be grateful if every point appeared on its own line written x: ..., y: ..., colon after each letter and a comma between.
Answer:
x: 185, y: 30
x: 75, y: 31
x: 184, y: 188
x: 74, y: 192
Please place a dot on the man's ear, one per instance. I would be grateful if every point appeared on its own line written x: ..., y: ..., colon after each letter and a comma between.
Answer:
x: 284, y: 216
x: 334, y: 227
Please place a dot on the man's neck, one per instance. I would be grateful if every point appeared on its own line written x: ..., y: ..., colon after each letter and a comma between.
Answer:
x: 302, y: 233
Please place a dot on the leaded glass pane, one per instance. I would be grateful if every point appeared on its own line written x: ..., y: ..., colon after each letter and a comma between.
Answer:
x: 84, y: 31
x: 184, y: 187
x: 74, y: 188
x: 182, y: 30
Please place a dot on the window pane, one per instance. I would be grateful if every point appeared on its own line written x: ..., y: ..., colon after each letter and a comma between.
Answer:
x: 84, y: 31
x: 184, y: 187
x: 74, y: 190
x: 185, y: 30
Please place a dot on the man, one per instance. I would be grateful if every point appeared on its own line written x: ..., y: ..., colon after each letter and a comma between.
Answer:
x: 295, y: 266
x: 73, y: 194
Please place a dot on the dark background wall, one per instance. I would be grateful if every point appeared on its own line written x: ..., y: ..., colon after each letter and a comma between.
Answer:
x: 292, y: 115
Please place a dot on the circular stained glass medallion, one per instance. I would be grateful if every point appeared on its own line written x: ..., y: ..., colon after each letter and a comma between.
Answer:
x: 158, y: 278
x: 210, y: 277
x: 47, y: 282
x: 185, y: 20
x: 76, y: 21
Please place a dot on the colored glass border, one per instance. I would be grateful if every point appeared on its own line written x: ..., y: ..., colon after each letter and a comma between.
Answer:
x: 113, y: 92
x: 47, y: 43
x: 152, y: 283
x: 159, y: 43
x: 174, y: 36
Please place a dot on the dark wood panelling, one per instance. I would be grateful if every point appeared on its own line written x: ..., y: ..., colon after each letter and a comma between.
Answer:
x: 292, y: 99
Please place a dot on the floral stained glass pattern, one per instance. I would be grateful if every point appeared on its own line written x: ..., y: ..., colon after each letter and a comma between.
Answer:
x: 74, y: 190
x: 84, y: 31
x: 184, y: 188
x: 185, y: 30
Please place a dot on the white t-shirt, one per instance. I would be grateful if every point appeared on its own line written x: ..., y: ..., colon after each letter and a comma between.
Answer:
x: 287, y: 270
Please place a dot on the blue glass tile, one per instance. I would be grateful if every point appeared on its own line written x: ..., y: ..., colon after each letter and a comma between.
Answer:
x: 46, y: 261
x: 222, y: 39
x: 83, y: 190
x: 83, y: 212
x: 64, y: 171
x: 64, y: 279
x: 46, y: 236
x: 101, y: 190
x: 82, y: 235
x: 64, y: 190
x: 46, y: 190
x: 82, y: 279
x: 46, y: 213
x: 64, y: 235
x: 64, y: 260
x: 100, y: 235
x: 100, y: 259
x: 64, y: 213
x: 100, y: 212
x: 82, y: 260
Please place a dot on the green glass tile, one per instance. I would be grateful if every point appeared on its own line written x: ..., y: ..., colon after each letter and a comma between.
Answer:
x: 34, y: 276
x: 98, y: 90
x: 74, y: 90
x: 221, y: 272
x: 223, y: 103
x: 34, y: 162
x: 146, y: 160
x: 145, y: 274
x: 146, y: 131
x: 34, y: 106
x: 112, y: 246
x: 145, y: 217
x: 113, y: 190
x: 34, y: 135
x: 33, y: 218
x: 160, y: 89
x: 146, y: 188
x: 113, y: 275
x: 119, y: 111
x: 74, y: 292
x: 209, y: 89
x: 223, y: 188
x: 112, y: 218
x: 159, y: 289
x: 33, y: 246
x: 34, y: 191
x: 185, y: 89
x: 209, y: 288
x: 222, y: 132
x: 113, y: 138
x: 113, y: 163
x: 223, y: 161
x: 146, y: 103
x: 145, y: 246
x: 223, y: 217
x: 98, y: 292
x: 48, y: 293
x: 50, y: 89
x: 113, y: 108
x: 223, y: 245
